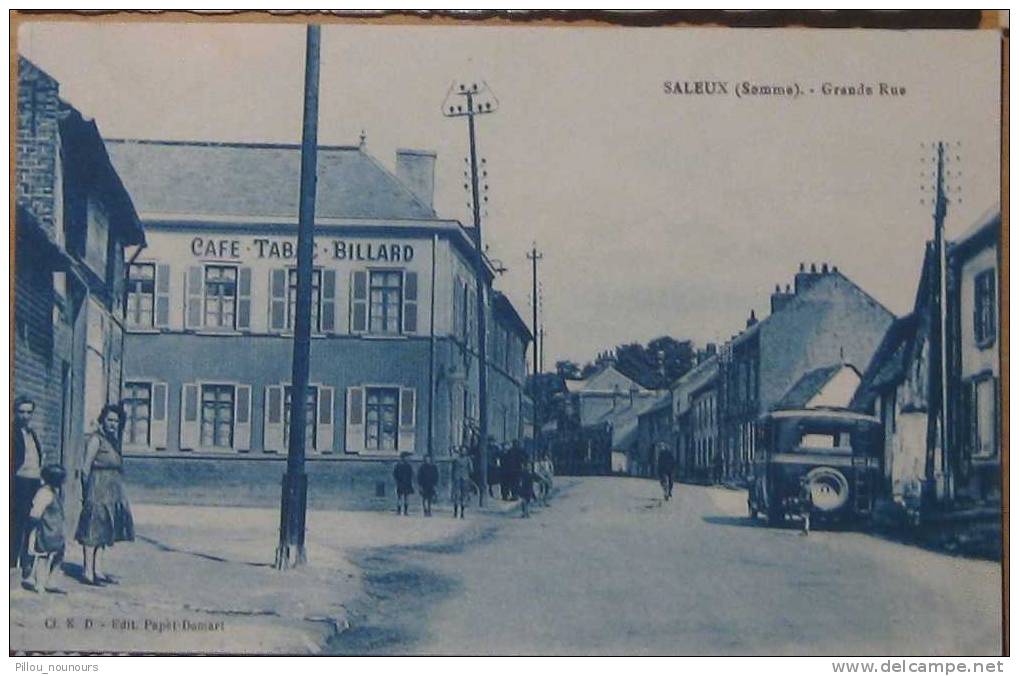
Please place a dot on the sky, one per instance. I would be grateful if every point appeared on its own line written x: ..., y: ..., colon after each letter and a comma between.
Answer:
x: 656, y: 214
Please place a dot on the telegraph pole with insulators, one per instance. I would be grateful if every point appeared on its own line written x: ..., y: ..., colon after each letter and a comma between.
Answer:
x: 470, y: 101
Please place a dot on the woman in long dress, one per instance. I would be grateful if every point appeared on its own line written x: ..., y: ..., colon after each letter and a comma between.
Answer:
x: 105, y: 514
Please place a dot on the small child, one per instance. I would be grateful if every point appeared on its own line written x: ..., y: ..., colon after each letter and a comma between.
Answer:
x: 428, y: 479
x: 46, y: 534
x: 403, y: 473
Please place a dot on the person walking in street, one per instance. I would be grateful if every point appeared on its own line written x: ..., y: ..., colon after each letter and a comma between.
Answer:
x: 428, y: 479
x: 666, y: 470
x: 403, y: 473
x: 46, y: 537
x: 514, y: 462
x: 105, y: 513
x: 28, y: 462
x: 460, y: 471
x: 525, y: 489
x: 545, y: 476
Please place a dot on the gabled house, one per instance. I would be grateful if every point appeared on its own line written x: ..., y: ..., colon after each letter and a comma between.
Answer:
x: 74, y: 225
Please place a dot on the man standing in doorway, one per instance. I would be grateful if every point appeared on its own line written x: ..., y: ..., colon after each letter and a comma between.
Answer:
x: 27, y: 478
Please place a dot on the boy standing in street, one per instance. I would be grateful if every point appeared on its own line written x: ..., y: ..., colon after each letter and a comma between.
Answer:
x: 428, y: 479
x: 403, y: 473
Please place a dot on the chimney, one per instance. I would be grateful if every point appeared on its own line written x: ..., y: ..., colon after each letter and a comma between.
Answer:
x: 779, y: 298
x: 803, y: 279
x: 711, y: 349
x: 416, y: 170
x: 752, y: 319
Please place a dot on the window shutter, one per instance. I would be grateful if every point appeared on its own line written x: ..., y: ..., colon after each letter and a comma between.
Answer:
x: 195, y: 291
x: 359, y: 301
x: 410, y: 302
x: 189, y: 416
x: 278, y: 300
x: 407, y: 419
x: 456, y: 307
x: 324, y: 433
x: 242, y: 418
x: 328, y: 301
x: 162, y: 317
x: 157, y: 423
x: 272, y: 430
x: 355, y: 420
x: 244, y: 298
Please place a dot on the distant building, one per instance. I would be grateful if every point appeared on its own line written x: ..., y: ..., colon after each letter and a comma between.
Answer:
x: 824, y: 321
x: 655, y: 431
x: 73, y: 223
x: 211, y: 306
x: 599, y: 432
x: 695, y: 410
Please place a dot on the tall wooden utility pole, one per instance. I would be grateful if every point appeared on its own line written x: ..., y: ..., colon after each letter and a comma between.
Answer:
x: 294, y: 503
x: 939, y: 466
x: 477, y: 101
x: 534, y: 256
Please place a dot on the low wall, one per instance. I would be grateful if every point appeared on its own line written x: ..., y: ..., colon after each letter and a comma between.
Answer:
x: 350, y: 484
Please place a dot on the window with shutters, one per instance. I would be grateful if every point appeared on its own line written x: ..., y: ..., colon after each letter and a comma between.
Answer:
x: 137, y: 403
x: 984, y: 308
x: 381, y: 418
x: 316, y: 299
x: 220, y: 296
x: 385, y: 299
x: 217, y: 416
x: 141, y: 295
x: 310, y: 416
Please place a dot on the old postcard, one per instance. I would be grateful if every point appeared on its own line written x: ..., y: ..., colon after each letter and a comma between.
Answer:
x: 606, y: 339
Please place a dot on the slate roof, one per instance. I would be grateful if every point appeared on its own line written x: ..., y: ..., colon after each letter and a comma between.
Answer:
x: 888, y: 365
x: 808, y: 387
x: 257, y: 179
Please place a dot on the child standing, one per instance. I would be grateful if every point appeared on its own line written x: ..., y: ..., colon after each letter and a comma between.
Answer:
x: 46, y: 534
x: 428, y: 479
x: 403, y: 473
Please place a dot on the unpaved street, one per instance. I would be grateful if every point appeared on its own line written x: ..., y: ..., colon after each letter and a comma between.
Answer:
x: 610, y: 569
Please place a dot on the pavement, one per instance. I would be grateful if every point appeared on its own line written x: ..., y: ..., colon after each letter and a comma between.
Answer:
x: 201, y: 580
x: 608, y: 568
x: 611, y: 569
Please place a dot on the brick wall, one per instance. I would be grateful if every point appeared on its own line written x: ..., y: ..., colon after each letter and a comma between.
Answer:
x: 37, y: 144
x: 36, y: 372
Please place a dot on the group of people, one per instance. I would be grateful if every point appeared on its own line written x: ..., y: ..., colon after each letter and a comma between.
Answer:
x: 37, y: 500
x: 517, y: 476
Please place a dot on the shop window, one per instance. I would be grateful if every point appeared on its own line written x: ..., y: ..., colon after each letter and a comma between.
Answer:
x: 380, y: 419
x: 984, y: 308
x: 137, y: 403
x: 217, y: 416
x: 310, y: 416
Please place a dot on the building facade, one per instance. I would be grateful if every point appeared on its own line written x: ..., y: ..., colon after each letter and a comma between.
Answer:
x: 695, y: 404
x: 211, y: 302
x: 74, y: 225
x: 824, y: 320
x: 975, y: 363
x: 903, y: 385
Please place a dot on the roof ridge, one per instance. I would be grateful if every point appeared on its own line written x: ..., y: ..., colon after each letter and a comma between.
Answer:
x: 224, y: 144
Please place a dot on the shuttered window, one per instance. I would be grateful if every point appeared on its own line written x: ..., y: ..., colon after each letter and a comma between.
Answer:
x: 137, y: 403
x: 984, y: 308
x: 141, y: 295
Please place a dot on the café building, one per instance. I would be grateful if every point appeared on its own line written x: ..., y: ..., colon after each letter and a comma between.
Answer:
x: 210, y: 316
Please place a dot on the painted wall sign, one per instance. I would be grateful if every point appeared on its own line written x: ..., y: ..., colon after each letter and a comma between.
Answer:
x: 262, y: 247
